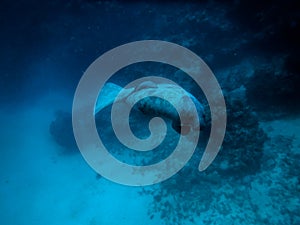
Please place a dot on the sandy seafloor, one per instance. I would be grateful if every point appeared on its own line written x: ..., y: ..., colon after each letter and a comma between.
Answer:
x: 39, y: 185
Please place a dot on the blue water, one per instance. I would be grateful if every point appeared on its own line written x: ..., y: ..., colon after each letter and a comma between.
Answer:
x: 253, y: 50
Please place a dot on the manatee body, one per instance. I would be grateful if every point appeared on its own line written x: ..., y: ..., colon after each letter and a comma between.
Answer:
x: 156, y: 106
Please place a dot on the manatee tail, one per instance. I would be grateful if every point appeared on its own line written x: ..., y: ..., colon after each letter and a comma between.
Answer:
x: 107, y: 96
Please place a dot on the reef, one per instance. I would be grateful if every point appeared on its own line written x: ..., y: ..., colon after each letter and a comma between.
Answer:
x: 190, y: 192
x: 62, y: 132
x: 274, y: 88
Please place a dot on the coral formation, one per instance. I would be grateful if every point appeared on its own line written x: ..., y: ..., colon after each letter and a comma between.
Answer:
x: 62, y: 132
x: 276, y: 88
x: 191, y: 193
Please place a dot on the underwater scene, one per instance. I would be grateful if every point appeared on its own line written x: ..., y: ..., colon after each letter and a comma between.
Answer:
x: 241, y: 97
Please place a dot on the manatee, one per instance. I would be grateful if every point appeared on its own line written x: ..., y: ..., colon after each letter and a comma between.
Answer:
x: 154, y: 106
